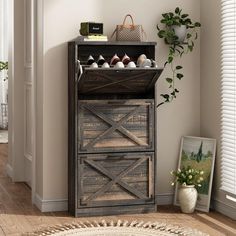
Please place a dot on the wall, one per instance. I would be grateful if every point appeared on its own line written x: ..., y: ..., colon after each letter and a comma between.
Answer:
x: 185, y: 110
x: 210, y: 91
x: 52, y: 131
x: 61, y: 22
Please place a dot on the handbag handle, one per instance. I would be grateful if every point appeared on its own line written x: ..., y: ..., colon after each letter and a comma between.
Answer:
x: 132, y: 20
x: 123, y: 25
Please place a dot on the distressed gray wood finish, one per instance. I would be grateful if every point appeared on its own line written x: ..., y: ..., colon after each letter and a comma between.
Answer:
x: 116, y: 210
x: 115, y: 179
x: 123, y: 81
x: 116, y: 125
x: 72, y: 123
x: 111, y: 123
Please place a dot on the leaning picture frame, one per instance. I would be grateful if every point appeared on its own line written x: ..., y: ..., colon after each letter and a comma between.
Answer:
x: 199, y: 153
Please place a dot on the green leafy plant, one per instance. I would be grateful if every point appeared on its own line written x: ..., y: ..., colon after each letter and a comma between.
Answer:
x: 177, y: 48
x: 188, y: 176
x: 4, y: 66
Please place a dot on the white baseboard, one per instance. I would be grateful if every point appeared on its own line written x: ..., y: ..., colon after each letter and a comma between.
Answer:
x: 9, y: 170
x: 165, y: 199
x: 62, y: 204
x: 51, y: 205
x: 225, y: 209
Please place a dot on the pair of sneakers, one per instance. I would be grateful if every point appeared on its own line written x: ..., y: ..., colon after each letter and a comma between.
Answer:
x: 114, y: 61
x: 125, y: 60
x: 91, y: 61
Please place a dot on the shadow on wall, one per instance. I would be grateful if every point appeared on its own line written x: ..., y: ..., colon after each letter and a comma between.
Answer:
x: 62, y: 22
x: 56, y: 119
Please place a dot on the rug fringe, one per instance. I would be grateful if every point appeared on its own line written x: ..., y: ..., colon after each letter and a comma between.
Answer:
x: 158, y: 226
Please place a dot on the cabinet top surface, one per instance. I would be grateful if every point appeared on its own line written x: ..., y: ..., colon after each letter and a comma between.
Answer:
x: 115, y: 43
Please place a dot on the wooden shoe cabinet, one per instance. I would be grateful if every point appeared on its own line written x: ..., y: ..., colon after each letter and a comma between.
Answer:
x: 111, y: 138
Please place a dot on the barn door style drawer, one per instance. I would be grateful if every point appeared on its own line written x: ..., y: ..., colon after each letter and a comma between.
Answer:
x: 115, y: 125
x: 115, y: 179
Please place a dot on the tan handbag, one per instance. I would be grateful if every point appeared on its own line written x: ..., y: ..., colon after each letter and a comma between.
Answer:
x: 131, y: 32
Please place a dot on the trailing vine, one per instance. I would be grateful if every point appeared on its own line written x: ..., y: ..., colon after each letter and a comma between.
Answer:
x: 177, y: 48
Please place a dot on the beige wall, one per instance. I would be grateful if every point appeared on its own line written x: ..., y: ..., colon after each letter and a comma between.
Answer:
x: 61, y: 21
x: 210, y: 87
x: 182, y: 117
x: 61, y: 24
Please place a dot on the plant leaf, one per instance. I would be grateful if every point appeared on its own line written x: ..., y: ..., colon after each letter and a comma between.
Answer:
x: 178, y: 67
x: 177, y: 10
x: 166, y: 96
x: 190, y: 47
x: 181, y: 46
x: 179, y: 76
x: 163, y: 21
x: 161, y: 33
x: 169, y: 80
x: 172, y: 50
x: 178, y: 51
x: 170, y: 59
x: 189, y: 35
x: 164, y: 15
x: 197, y: 24
x: 185, y: 15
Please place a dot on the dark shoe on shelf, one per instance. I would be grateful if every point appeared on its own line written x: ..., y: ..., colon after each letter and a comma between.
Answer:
x: 114, y: 60
x: 90, y: 60
x: 126, y: 59
x: 101, y: 60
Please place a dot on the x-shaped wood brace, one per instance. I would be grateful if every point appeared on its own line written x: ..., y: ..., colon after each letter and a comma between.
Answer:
x: 114, y: 126
x: 116, y: 179
x: 115, y: 81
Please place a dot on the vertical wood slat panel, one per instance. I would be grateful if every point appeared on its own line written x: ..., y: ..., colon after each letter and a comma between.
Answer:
x: 72, y: 128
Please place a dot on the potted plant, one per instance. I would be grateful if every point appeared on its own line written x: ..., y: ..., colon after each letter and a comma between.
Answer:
x: 4, y: 66
x: 179, y: 33
x: 188, y: 178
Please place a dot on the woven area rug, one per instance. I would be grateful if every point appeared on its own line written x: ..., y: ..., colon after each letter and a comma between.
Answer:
x: 119, y: 228
x: 3, y: 136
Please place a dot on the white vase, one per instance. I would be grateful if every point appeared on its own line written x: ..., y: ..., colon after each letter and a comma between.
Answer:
x: 187, y: 198
x: 180, y: 31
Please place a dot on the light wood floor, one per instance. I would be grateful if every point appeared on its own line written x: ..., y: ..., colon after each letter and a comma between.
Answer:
x: 18, y: 215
